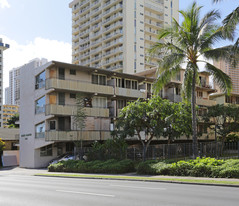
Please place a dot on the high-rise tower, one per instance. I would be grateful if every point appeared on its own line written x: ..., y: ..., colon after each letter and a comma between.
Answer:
x: 2, y: 48
x: 116, y: 34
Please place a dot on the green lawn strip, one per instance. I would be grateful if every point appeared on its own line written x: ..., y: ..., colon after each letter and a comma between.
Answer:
x: 145, y: 178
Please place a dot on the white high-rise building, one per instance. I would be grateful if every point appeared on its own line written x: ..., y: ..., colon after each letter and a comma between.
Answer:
x: 2, y: 48
x: 14, y: 80
x: 116, y: 34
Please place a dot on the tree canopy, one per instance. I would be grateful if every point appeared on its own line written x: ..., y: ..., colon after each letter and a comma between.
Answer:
x: 153, y: 118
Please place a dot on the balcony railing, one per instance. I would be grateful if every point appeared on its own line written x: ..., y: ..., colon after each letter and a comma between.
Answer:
x: 130, y: 93
x: 205, y: 102
x: 77, y: 135
x: 54, y: 109
x: 79, y: 86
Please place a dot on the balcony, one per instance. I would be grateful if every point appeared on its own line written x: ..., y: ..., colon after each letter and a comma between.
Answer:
x: 113, y: 26
x: 53, y: 109
x: 113, y: 35
x: 205, y: 102
x: 77, y: 135
x: 113, y: 9
x: 130, y: 93
x: 95, y: 58
x: 84, y: 32
x: 96, y: 50
x: 112, y: 60
x: 154, y: 8
x: 173, y: 97
x: 113, y: 18
x: 114, y: 51
x: 96, y: 26
x: 113, y: 43
x: 154, y: 16
x: 96, y: 18
x: 99, y: 41
x: 78, y: 86
x: 82, y: 11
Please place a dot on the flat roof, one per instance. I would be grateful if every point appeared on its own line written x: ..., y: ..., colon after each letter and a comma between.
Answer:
x: 99, y: 70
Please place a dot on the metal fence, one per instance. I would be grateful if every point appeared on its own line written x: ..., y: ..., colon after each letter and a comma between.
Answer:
x: 184, y: 151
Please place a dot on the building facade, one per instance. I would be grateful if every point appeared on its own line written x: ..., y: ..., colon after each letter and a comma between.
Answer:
x: 8, y: 112
x: 2, y: 48
x: 231, y: 71
x: 116, y: 34
x: 47, y: 110
x: 13, y: 91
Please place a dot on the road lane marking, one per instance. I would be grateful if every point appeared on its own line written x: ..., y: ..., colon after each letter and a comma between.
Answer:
x: 133, y: 187
x: 85, y: 193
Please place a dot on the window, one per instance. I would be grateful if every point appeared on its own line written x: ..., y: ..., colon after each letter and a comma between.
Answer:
x: 199, y: 94
x: 99, y: 102
x: 52, y: 125
x: 121, y: 104
x: 128, y: 84
x: 40, y: 105
x: 98, y: 79
x: 134, y: 85
x: 72, y: 72
x: 40, y: 130
x: 72, y: 96
x: 46, y: 151
x: 40, y: 80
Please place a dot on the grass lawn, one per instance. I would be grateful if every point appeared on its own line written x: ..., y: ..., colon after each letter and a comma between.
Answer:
x: 161, y: 179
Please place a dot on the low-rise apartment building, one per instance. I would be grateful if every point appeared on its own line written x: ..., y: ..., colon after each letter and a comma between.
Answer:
x: 47, y: 109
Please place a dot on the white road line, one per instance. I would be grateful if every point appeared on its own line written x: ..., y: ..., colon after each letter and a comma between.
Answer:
x: 149, y: 188
x: 85, y: 193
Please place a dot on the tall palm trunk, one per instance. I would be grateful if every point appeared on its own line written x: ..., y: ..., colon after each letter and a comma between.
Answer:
x: 194, y: 120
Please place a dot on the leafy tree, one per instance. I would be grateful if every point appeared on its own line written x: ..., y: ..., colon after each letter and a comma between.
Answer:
x: 187, y: 43
x: 178, y: 123
x: 223, y: 120
x: 150, y: 118
x: 110, y: 149
x: 12, y: 121
x: 79, y: 122
x: 2, y: 146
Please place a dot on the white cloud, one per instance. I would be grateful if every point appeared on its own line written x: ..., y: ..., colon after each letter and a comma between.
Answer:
x: 18, y: 54
x: 4, y: 4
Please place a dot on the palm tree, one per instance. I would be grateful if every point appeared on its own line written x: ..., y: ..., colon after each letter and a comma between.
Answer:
x: 229, y: 27
x: 188, y: 43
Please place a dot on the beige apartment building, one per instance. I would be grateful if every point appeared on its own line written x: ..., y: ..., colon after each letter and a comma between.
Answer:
x: 47, y: 110
x: 3, y: 47
x: 172, y: 92
x: 8, y: 112
x: 116, y: 34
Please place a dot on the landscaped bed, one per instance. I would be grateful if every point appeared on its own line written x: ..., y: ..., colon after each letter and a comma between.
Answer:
x: 200, y: 167
x: 106, y: 167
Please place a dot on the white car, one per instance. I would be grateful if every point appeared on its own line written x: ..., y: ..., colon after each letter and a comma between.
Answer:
x: 62, y: 158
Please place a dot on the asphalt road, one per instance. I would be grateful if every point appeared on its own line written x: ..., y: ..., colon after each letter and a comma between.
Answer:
x: 18, y: 190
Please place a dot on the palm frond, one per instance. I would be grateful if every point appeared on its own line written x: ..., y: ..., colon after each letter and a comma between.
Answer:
x: 218, y: 53
x: 221, y: 78
x: 231, y: 21
x: 165, y: 77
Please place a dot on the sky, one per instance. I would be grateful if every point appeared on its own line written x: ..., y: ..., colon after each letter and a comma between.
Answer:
x: 42, y: 29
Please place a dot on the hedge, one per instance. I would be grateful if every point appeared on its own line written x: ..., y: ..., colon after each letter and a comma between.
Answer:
x: 108, y: 167
x: 200, y: 167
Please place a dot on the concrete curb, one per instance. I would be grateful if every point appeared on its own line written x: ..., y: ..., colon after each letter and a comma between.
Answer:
x: 142, y: 180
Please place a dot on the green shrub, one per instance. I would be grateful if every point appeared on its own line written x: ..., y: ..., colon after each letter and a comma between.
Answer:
x: 110, y: 166
x: 200, y: 167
